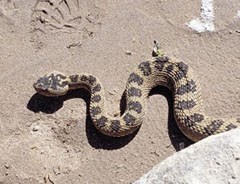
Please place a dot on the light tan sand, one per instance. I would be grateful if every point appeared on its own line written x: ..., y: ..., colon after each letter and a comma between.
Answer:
x: 51, y: 140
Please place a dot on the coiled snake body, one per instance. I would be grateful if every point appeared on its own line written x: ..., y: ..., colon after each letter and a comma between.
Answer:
x: 160, y: 70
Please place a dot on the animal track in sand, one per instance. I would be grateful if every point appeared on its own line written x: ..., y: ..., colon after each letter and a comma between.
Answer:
x: 67, y: 15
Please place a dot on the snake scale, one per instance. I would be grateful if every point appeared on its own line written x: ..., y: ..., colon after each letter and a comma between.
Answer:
x: 158, y: 71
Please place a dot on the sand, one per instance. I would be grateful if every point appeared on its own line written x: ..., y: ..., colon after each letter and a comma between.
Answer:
x: 53, y: 140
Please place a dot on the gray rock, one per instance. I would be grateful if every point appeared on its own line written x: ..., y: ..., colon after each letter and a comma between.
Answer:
x: 214, y: 160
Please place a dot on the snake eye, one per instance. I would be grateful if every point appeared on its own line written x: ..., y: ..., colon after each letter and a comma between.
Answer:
x: 39, y: 85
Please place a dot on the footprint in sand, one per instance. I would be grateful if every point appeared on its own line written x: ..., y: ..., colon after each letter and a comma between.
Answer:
x: 7, y: 9
x: 80, y: 18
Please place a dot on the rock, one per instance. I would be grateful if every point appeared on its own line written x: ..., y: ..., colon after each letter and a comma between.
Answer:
x: 215, y: 159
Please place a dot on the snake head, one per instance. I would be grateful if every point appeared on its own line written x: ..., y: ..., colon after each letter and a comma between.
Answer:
x: 52, y: 84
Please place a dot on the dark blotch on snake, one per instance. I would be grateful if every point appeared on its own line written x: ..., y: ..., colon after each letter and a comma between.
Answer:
x: 192, y: 119
x: 101, y: 122
x: 213, y: 127
x: 84, y: 78
x: 145, y: 68
x: 95, y: 111
x: 96, y: 98
x: 136, y: 106
x: 231, y: 126
x: 61, y: 76
x: 115, y: 125
x: 169, y: 68
x: 55, y: 81
x: 185, y: 104
x: 179, y: 75
x: 96, y: 88
x: 159, y: 66
x: 183, y: 67
x: 160, y: 62
x: 129, y: 119
x: 43, y: 82
x: 134, y: 92
x: 92, y: 80
x: 162, y: 59
x: 186, y: 88
x: 74, y: 78
x: 135, y: 78
x: 182, y: 72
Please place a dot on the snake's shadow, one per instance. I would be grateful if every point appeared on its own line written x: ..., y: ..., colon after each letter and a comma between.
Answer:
x: 178, y: 139
x: 49, y: 105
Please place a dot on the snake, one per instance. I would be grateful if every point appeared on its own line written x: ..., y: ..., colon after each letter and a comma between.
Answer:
x: 160, y: 70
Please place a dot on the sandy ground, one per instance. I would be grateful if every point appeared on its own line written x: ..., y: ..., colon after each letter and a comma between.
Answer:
x: 53, y: 140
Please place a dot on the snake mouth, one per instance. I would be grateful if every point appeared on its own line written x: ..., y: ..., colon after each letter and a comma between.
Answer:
x: 42, y: 91
x: 45, y: 91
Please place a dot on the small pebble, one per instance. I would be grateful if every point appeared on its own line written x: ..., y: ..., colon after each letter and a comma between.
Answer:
x: 57, y: 170
x: 129, y: 53
x: 7, y: 166
x: 35, y: 128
